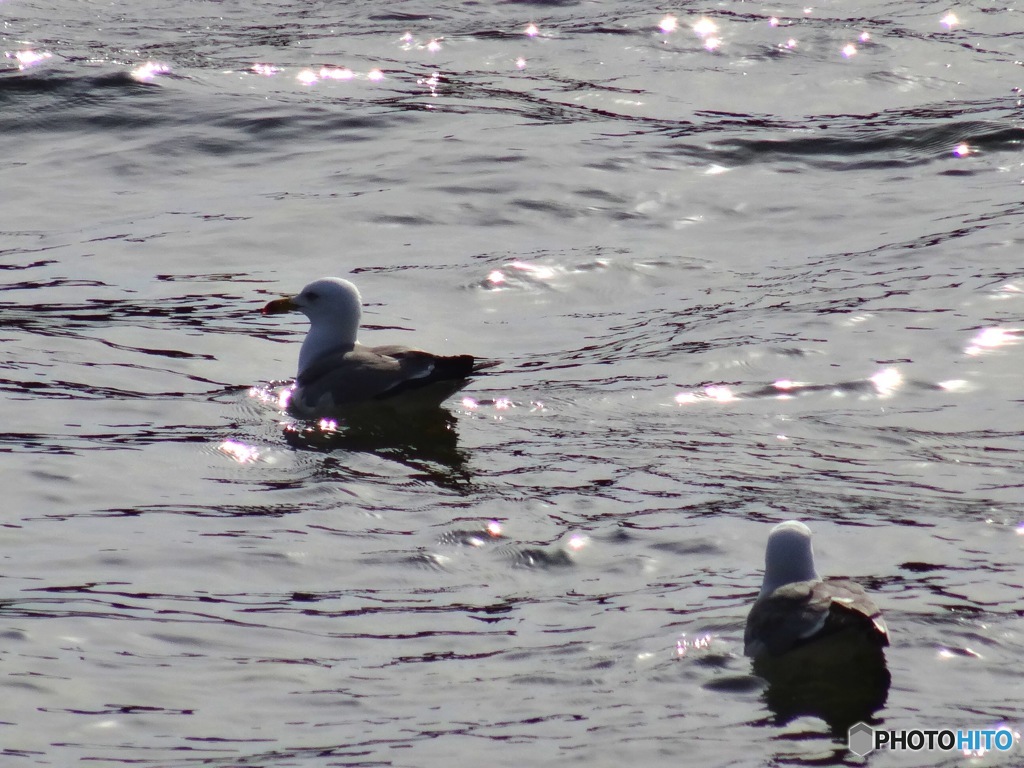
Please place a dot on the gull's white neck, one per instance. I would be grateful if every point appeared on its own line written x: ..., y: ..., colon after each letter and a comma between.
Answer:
x: 334, y: 309
x: 789, y: 557
x: 323, y: 339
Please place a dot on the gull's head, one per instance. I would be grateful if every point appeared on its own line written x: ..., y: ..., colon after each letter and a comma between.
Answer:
x: 788, y: 557
x: 333, y: 306
x: 331, y: 301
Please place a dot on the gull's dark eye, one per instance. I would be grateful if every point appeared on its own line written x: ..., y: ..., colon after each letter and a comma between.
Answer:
x: 312, y: 295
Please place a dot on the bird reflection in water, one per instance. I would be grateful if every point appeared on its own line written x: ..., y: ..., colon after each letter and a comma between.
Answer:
x: 827, y: 679
x: 425, y: 441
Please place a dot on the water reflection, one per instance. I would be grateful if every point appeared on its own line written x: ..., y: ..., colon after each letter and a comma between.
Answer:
x: 989, y: 339
x: 28, y: 58
x: 148, y: 71
x: 425, y: 441
x: 883, y: 384
x: 834, y: 684
x: 239, y: 451
x: 707, y: 31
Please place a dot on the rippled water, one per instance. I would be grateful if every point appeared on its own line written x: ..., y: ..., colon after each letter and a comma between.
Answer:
x: 740, y: 264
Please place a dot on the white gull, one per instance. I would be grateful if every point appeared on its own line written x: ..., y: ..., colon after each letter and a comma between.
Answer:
x: 797, y: 607
x: 336, y: 373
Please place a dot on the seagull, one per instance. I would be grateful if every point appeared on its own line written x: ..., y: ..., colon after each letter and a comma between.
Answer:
x: 797, y: 608
x: 336, y: 373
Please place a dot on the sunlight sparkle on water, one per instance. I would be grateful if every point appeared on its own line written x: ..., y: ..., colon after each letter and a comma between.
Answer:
x: 668, y: 24
x: 492, y: 531
x: 947, y: 653
x: 1008, y: 290
x: 431, y: 82
x: 704, y: 27
x: 520, y: 63
x: 240, y: 452
x: 773, y: 22
x: 272, y: 396
x: 949, y: 20
x: 849, y: 50
x: 721, y: 394
x: 28, y: 59
x: 992, y: 338
x: 148, y: 71
x: 864, y: 37
x: 533, y: 270
x: 105, y: 724
x: 434, y: 46
x: 887, y: 381
x: 407, y: 41
x: 267, y: 70
x: 469, y: 403
x: 309, y: 77
x: 717, y: 393
x: 577, y: 542
x: 261, y: 393
x: 684, y: 645
x: 962, y: 150
x: 531, y: 30
x: 336, y: 73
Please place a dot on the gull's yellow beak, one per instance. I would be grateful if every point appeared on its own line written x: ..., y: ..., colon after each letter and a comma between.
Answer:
x: 279, y: 306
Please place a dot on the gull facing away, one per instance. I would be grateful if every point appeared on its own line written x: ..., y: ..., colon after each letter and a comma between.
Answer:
x: 337, y: 373
x: 796, y: 608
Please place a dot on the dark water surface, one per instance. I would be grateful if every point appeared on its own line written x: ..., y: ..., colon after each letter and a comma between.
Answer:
x: 766, y: 264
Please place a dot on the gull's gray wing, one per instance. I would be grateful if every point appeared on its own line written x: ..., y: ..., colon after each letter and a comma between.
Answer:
x: 362, y: 375
x: 797, y: 613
